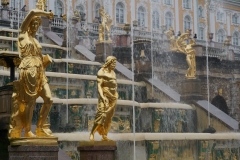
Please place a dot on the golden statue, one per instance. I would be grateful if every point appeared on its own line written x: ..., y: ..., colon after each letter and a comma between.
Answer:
x: 107, y: 90
x: 182, y: 46
x: 105, y: 26
x: 171, y: 37
x: 191, y: 60
x: 32, y: 81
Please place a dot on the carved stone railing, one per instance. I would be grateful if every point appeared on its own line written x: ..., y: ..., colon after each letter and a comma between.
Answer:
x: 57, y: 23
x: 214, y: 52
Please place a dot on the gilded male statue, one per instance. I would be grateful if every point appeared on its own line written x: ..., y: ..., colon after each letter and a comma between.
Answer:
x: 105, y: 26
x: 32, y: 81
x: 107, y: 90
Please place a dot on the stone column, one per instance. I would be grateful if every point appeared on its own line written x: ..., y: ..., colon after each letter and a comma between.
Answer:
x: 212, y: 22
x: 176, y: 16
x: 90, y: 11
x: 195, y: 29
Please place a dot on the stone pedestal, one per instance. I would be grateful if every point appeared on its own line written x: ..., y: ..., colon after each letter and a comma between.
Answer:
x: 191, y: 90
x: 103, y: 50
x: 97, y: 150
x: 33, y: 152
x: 5, y: 113
x: 143, y: 69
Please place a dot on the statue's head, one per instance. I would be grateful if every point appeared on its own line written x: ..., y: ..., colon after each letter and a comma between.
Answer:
x: 110, y: 62
x: 34, y: 24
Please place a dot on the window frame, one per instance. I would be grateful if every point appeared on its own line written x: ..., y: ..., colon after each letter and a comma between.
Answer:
x: 96, y: 9
x: 235, y: 39
x: 118, y: 20
x: 155, y: 20
x: 141, y: 17
x: 168, y: 19
x: 220, y: 37
x: 187, y: 4
x: 187, y: 23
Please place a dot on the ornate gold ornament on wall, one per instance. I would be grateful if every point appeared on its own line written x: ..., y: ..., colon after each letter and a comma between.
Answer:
x: 180, y: 45
x: 32, y: 83
x: 3, y: 62
x: 105, y: 26
x: 107, y: 90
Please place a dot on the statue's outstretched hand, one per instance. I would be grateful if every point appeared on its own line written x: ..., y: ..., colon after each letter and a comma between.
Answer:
x: 51, y: 15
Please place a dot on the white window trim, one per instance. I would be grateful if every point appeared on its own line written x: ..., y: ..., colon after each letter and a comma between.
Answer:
x: 21, y: 3
x: 202, y: 26
x: 145, y: 16
x: 124, y: 12
x: 191, y: 22
x: 237, y: 38
x: 171, y: 3
x: 159, y: 20
x: 224, y: 35
x: 223, y: 18
x: 63, y: 7
x: 238, y: 19
x: 171, y: 20
x: 190, y: 5
x: 94, y: 10
x: 203, y: 11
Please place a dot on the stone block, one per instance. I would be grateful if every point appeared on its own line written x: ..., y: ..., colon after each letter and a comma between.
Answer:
x: 102, y: 150
x: 103, y: 50
x: 32, y: 152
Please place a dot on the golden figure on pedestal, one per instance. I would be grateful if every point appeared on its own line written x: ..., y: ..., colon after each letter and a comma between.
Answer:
x: 107, y: 90
x: 105, y: 26
x: 32, y: 81
x: 180, y: 45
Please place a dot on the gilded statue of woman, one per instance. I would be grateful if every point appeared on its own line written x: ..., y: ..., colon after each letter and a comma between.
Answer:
x: 191, y: 60
x: 107, y: 90
x: 32, y: 81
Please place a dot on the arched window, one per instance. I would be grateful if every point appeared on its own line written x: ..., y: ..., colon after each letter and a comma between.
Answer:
x: 97, y: 7
x: 235, y: 39
x: 201, y: 33
x: 221, y: 36
x: 200, y: 12
x: 15, y: 4
x: 58, y: 8
x: 220, y: 16
x: 167, y: 2
x: 155, y: 20
x: 187, y: 23
x: 234, y: 19
x: 187, y: 4
x: 120, y: 13
x: 141, y: 16
x: 80, y: 8
x: 168, y: 20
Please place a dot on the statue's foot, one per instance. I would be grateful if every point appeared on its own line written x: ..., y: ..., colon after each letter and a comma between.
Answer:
x: 40, y: 132
x: 91, y: 138
x: 14, y: 133
x: 29, y: 134
x: 46, y: 128
x: 105, y: 138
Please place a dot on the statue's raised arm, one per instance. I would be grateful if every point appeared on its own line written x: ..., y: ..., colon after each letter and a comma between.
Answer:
x: 31, y: 15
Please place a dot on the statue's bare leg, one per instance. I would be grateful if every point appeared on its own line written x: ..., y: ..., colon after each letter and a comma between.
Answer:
x: 47, y: 98
x: 94, y: 129
x: 27, y: 113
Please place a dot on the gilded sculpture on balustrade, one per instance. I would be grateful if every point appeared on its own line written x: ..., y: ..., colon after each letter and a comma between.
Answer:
x: 180, y: 45
x: 107, y: 90
x: 104, y: 26
x: 32, y: 81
